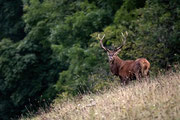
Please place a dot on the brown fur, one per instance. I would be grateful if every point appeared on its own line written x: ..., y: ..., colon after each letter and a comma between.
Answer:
x: 129, y: 69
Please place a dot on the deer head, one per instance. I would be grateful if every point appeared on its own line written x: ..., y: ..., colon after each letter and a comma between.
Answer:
x: 112, y: 53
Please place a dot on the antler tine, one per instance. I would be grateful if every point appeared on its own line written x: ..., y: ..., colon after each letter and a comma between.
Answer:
x: 126, y: 33
x: 124, y: 41
x: 101, y: 38
x: 124, y: 36
x: 101, y: 43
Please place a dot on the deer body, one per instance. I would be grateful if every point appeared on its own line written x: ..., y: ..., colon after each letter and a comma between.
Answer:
x: 126, y: 69
x: 129, y: 69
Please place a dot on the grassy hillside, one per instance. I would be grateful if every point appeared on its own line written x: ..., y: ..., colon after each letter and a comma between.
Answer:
x: 157, y: 98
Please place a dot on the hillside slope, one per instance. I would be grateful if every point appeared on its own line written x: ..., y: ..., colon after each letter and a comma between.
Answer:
x: 158, y: 98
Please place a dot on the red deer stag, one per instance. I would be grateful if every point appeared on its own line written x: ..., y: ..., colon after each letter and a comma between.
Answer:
x: 126, y: 69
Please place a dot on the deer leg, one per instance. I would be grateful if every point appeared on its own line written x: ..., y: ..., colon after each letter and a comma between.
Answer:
x: 123, y: 81
x: 137, y: 77
x: 147, y: 77
x: 127, y: 81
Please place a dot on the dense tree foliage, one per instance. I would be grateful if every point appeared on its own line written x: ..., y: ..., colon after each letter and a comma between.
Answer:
x: 11, y: 26
x: 49, y: 49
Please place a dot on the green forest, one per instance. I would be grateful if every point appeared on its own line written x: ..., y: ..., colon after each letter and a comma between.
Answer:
x: 49, y: 49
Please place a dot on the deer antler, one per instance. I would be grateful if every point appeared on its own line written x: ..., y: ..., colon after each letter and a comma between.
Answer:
x: 124, y: 36
x: 101, y: 43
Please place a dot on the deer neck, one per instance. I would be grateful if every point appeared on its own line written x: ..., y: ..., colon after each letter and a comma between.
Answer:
x: 116, y: 60
x: 115, y: 65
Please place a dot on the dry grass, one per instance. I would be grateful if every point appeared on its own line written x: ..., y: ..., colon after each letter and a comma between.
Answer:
x: 156, y: 99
